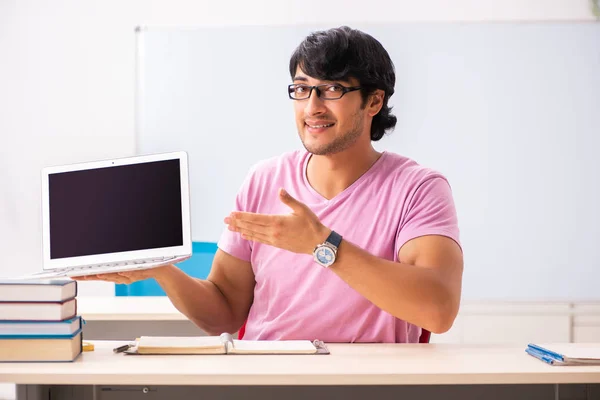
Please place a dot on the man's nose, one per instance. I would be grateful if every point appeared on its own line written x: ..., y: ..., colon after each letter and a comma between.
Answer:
x: 314, y: 104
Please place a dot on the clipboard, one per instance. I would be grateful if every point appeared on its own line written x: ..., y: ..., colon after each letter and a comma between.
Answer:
x: 224, y: 344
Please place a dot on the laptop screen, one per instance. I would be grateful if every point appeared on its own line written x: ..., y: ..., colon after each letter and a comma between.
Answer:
x: 115, y: 209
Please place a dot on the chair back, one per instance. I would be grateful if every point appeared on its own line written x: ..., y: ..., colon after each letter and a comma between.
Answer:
x: 424, y: 338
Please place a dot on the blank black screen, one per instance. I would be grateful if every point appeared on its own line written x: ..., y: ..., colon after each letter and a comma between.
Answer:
x: 114, y: 209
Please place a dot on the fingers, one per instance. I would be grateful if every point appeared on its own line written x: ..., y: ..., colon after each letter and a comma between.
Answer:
x: 258, y: 219
x: 114, y: 277
x: 291, y: 202
x: 240, y: 225
x: 256, y: 237
x: 85, y: 278
x: 133, y: 276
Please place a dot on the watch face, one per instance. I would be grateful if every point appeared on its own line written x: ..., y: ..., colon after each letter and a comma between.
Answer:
x: 325, y: 256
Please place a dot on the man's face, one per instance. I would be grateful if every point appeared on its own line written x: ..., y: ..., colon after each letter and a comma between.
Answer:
x: 329, y: 126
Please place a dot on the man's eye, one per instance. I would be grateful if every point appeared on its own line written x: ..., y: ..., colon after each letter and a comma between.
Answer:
x: 301, y: 89
x: 334, y: 88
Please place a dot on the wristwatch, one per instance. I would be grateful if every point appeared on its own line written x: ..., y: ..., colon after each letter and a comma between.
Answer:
x: 326, y: 252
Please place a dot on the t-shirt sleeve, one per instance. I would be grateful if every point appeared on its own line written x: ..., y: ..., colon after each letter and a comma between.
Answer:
x: 232, y: 242
x: 431, y: 211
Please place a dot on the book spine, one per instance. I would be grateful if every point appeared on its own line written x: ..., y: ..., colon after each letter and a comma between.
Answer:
x: 37, y: 301
x: 42, y: 336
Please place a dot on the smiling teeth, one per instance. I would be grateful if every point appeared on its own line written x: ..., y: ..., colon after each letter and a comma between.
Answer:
x: 320, y: 126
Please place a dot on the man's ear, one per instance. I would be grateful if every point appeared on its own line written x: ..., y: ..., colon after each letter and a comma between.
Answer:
x: 375, y: 102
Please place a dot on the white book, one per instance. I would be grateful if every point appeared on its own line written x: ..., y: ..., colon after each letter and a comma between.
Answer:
x: 38, y: 311
x: 223, y: 344
x: 51, y: 290
x: 26, y: 329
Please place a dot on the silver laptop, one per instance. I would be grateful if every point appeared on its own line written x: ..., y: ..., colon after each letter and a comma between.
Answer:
x: 115, y: 215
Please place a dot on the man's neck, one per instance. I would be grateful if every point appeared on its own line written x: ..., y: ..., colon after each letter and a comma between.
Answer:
x: 331, y: 174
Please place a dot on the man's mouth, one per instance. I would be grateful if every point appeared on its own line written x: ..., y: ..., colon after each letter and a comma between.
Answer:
x: 319, y: 125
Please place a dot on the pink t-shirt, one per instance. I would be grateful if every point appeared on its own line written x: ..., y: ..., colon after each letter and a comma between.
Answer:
x: 295, y: 298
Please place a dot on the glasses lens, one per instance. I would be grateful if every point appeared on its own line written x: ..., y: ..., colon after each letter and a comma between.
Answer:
x: 299, y: 91
x: 331, y: 92
x: 328, y: 92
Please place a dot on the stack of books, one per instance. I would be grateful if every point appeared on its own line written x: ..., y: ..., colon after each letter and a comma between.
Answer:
x: 566, y: 354
x: 39, y: 321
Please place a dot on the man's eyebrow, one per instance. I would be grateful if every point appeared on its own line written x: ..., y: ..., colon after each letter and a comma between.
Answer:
x: 336, y: 82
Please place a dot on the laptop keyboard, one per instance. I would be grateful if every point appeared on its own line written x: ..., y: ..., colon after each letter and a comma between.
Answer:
x: 108, y: 265
x: 135, y: 262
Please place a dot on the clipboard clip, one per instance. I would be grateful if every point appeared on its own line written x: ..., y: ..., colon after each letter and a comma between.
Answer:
x: 321, y: 346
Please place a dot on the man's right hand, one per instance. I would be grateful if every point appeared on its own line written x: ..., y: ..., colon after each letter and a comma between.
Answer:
x: 125, y: 277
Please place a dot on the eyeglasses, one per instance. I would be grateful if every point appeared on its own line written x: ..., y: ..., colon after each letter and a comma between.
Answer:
x: 325, y: 92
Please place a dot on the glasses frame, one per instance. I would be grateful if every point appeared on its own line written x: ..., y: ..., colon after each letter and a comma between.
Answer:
x: 345, y: 90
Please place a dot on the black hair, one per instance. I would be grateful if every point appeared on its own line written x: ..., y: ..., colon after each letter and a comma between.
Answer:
x: 342, y: 53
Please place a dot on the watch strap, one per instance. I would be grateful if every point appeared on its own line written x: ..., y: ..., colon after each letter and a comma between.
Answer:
x: 334, y: 238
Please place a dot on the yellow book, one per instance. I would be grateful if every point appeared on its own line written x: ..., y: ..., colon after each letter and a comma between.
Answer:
x: 41, y: 349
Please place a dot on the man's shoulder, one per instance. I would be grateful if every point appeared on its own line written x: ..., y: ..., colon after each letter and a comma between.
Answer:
x: 409, y: 170
x: 283, y: 163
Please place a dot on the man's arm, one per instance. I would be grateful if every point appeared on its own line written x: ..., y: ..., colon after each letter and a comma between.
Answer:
x: 218, y: 304
x: 423, y: 289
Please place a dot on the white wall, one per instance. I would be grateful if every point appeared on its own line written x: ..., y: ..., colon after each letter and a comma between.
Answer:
x: 67, y: 80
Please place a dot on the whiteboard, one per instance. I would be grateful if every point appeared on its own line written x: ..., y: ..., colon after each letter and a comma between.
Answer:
x: 510, y: 113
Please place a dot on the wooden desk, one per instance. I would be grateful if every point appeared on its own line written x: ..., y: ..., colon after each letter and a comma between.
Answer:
x: 354, y: 370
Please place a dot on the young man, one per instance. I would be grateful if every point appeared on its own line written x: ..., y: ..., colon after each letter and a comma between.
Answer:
x: 338, y: 242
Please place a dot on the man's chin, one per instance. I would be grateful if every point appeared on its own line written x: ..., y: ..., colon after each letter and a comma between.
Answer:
x: 319, y: 147
x: 322, y: 150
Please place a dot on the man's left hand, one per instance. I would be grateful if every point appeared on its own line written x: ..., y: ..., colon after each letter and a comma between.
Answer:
x: 299, y: 232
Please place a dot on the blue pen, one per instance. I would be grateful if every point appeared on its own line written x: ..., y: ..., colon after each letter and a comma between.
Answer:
x: 547, y: 352
x: 540, y: 356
